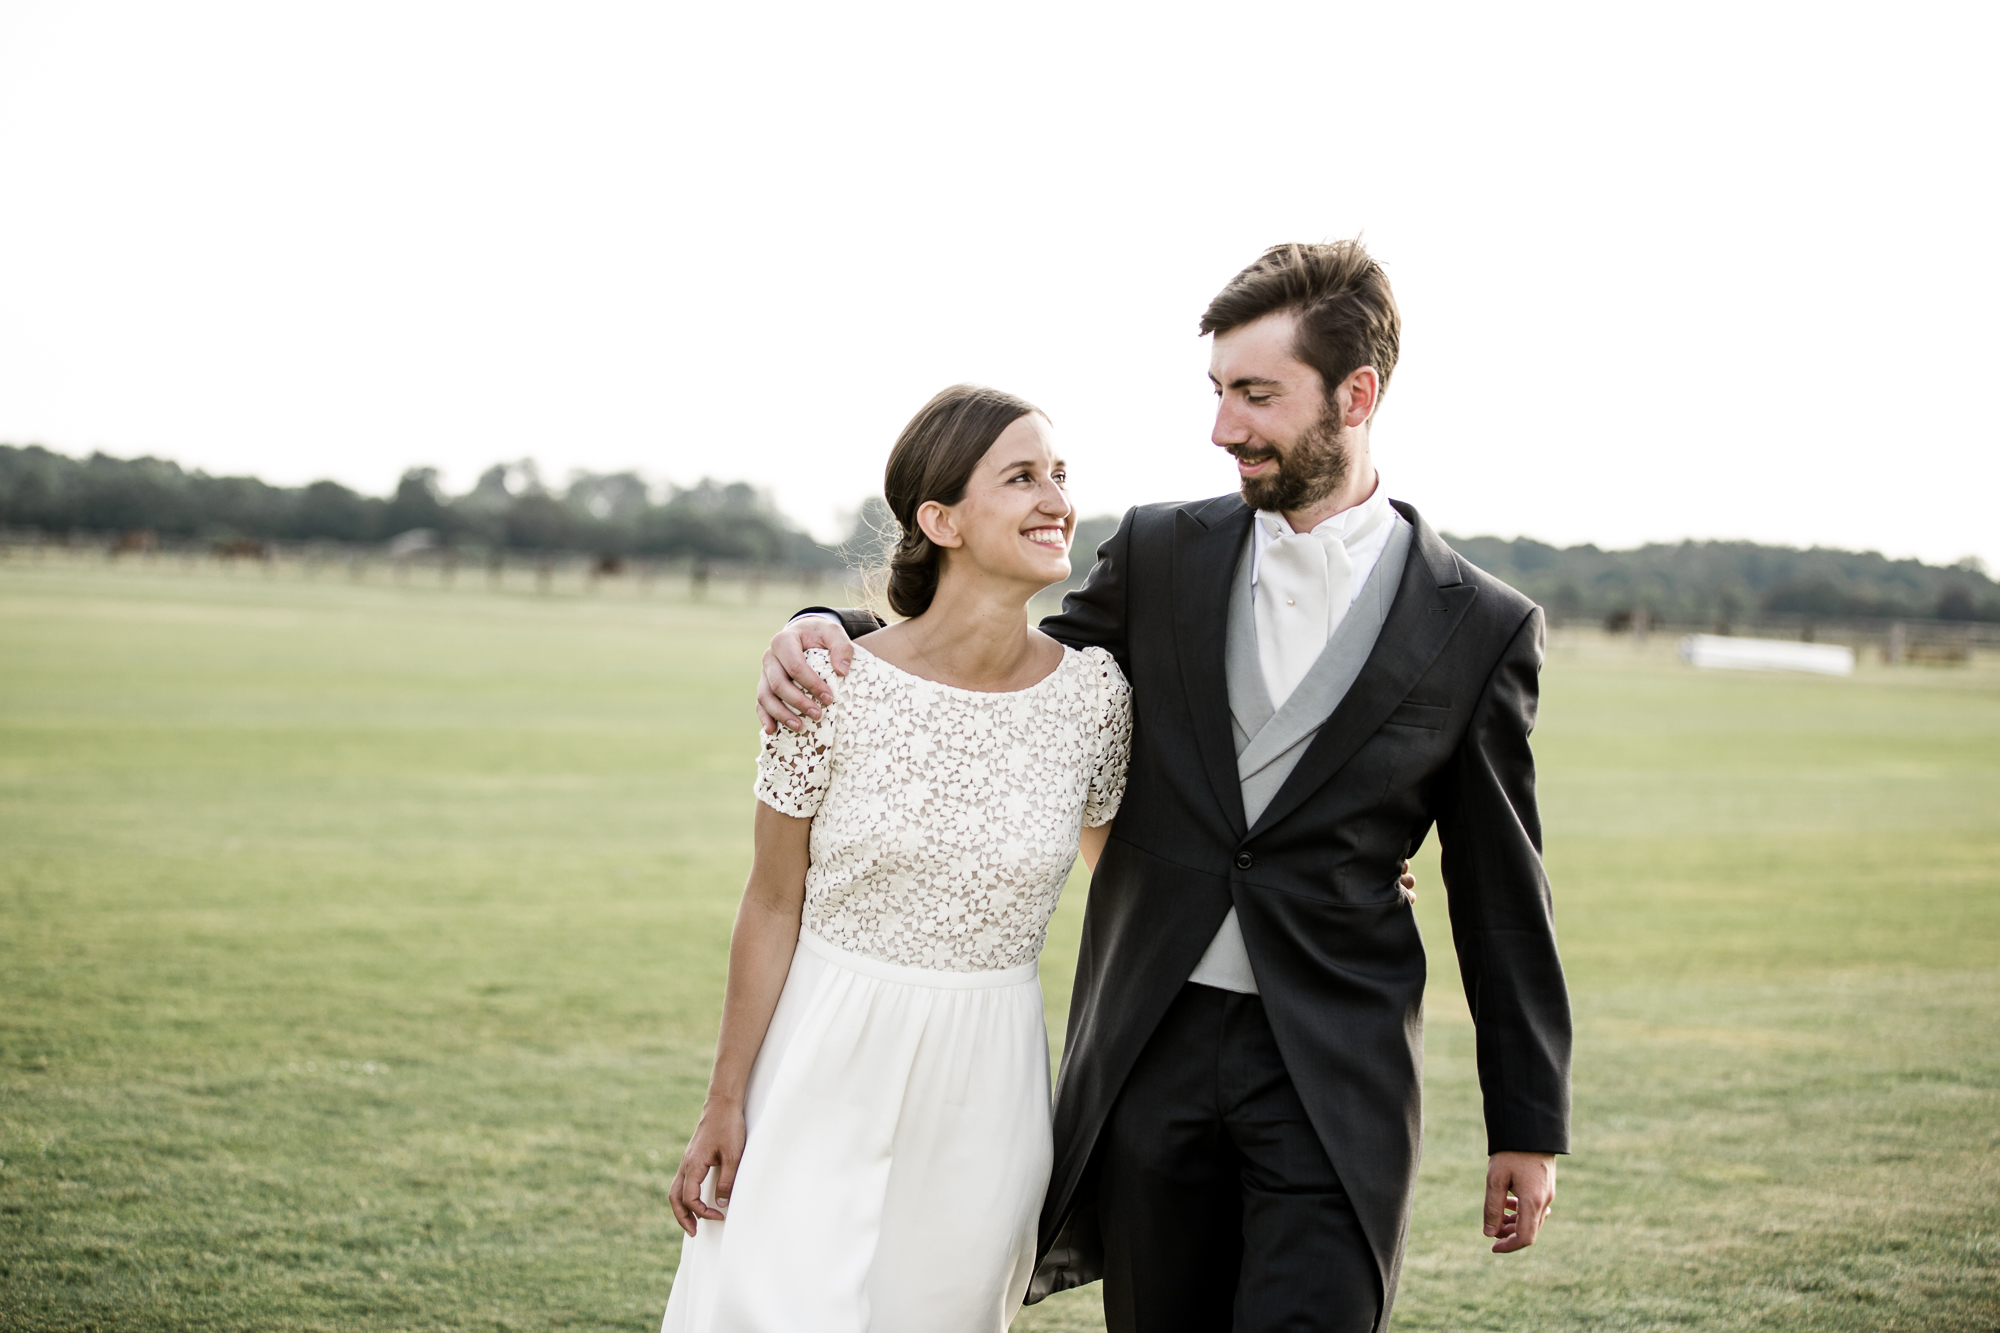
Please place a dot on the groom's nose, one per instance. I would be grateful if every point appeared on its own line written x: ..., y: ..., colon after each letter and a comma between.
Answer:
x: 1230, y: 428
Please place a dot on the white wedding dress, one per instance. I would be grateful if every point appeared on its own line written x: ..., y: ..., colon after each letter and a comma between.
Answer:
x: 898, y: 1110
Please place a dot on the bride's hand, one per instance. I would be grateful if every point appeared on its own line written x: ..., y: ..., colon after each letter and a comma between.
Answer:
x: 1409, y: 884
x: 717, y: 1143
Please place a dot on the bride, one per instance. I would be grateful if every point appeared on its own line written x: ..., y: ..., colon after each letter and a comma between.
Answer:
x: 876, y: 1132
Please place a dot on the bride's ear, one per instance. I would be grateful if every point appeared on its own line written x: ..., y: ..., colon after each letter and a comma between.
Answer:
x: 939, y: 524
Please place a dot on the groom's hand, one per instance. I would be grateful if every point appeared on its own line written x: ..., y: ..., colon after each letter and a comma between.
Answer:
x: 789, y: 687
x: 1520, y: 1189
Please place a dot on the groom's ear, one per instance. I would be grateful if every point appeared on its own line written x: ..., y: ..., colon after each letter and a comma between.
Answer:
x: 1359, y: 394
x: 939, y: 524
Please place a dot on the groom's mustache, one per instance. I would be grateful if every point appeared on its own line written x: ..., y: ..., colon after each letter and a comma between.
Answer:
x: 1251, y: 455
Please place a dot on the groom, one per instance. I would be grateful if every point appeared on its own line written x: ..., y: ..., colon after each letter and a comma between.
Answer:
x: 1317, y: 680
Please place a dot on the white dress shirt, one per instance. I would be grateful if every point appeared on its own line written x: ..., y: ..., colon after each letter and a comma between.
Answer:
x: 1304, y: 584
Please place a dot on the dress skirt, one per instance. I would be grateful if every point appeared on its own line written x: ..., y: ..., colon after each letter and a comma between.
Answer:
x: 898, y: 1149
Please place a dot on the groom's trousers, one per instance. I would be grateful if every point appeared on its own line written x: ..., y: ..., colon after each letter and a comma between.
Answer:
x: 1219, y: 1208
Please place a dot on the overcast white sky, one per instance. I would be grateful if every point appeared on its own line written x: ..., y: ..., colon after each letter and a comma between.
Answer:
x: 1684, y: 270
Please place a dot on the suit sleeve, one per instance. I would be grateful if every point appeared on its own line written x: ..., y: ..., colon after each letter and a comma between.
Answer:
x: 856, y: 621
x: 1093, y: 616
x: 1502, y: 917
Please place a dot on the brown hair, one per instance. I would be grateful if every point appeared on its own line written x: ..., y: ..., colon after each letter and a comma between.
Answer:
x: 933, y: 459
x: 1347, y: 314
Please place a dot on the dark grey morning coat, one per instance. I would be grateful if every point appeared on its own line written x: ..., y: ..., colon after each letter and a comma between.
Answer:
x: 1427, y: 725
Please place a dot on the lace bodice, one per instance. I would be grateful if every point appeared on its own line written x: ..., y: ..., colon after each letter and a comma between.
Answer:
x: 945, y: 820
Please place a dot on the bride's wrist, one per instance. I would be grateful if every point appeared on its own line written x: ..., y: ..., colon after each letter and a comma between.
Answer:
x: 722, y: 1100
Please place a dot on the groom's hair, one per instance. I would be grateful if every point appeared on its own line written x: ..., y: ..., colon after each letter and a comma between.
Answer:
x: 1347, y: 314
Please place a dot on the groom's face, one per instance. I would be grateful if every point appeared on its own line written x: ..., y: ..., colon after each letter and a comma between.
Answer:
x: 1274, y: 414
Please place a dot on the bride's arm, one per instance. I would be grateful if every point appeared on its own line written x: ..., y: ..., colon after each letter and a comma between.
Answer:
x: 760, y: 957
x: 1091, y: 843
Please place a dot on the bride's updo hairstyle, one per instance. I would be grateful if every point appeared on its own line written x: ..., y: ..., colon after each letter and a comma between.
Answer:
x: 934, y: 459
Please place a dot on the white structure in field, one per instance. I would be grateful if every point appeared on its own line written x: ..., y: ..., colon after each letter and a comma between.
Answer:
x: 1724, y: 653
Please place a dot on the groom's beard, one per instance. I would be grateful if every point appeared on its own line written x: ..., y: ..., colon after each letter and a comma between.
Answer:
x: 1311, y: 469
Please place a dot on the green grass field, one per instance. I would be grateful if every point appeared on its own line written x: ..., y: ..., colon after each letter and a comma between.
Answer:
x: 361, y: 947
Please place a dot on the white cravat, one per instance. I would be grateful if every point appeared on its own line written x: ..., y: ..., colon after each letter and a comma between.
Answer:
x: 1301, y: 595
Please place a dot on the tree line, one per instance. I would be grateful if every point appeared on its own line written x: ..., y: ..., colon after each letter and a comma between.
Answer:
x: 617, y: 514
x: 608, y: 514
x: 1717, y: 583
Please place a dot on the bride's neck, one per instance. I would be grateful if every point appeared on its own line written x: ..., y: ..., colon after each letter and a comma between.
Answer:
x: 975, y: 633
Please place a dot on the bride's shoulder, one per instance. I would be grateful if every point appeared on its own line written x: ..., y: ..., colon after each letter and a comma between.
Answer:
x: 821, y: 661
x: 1098, y: 677
x: 1096, y: 660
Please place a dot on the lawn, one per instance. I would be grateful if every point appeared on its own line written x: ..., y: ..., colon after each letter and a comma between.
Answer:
x: 361, y: 947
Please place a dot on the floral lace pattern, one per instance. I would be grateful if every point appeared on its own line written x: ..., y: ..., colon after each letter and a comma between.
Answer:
x: 945, y: 820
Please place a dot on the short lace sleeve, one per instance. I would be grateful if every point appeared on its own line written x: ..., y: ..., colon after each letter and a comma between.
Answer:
x: 1114, y: 740
x: 794, y: 767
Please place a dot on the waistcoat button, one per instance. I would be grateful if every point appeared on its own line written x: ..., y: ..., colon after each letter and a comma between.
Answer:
x: 1244, y: 860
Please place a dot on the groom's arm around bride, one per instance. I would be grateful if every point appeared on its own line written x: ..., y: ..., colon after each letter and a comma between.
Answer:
x: 1433, y: 729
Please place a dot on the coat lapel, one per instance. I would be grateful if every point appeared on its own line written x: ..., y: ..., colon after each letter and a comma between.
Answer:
x: 1429, y: 603
x: 1207, y: 540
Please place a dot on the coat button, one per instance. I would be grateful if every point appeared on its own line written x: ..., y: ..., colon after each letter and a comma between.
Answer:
x: 1244, y: 860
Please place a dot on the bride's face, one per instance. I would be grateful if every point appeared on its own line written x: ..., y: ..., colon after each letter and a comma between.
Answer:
x: 1016, y: 520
